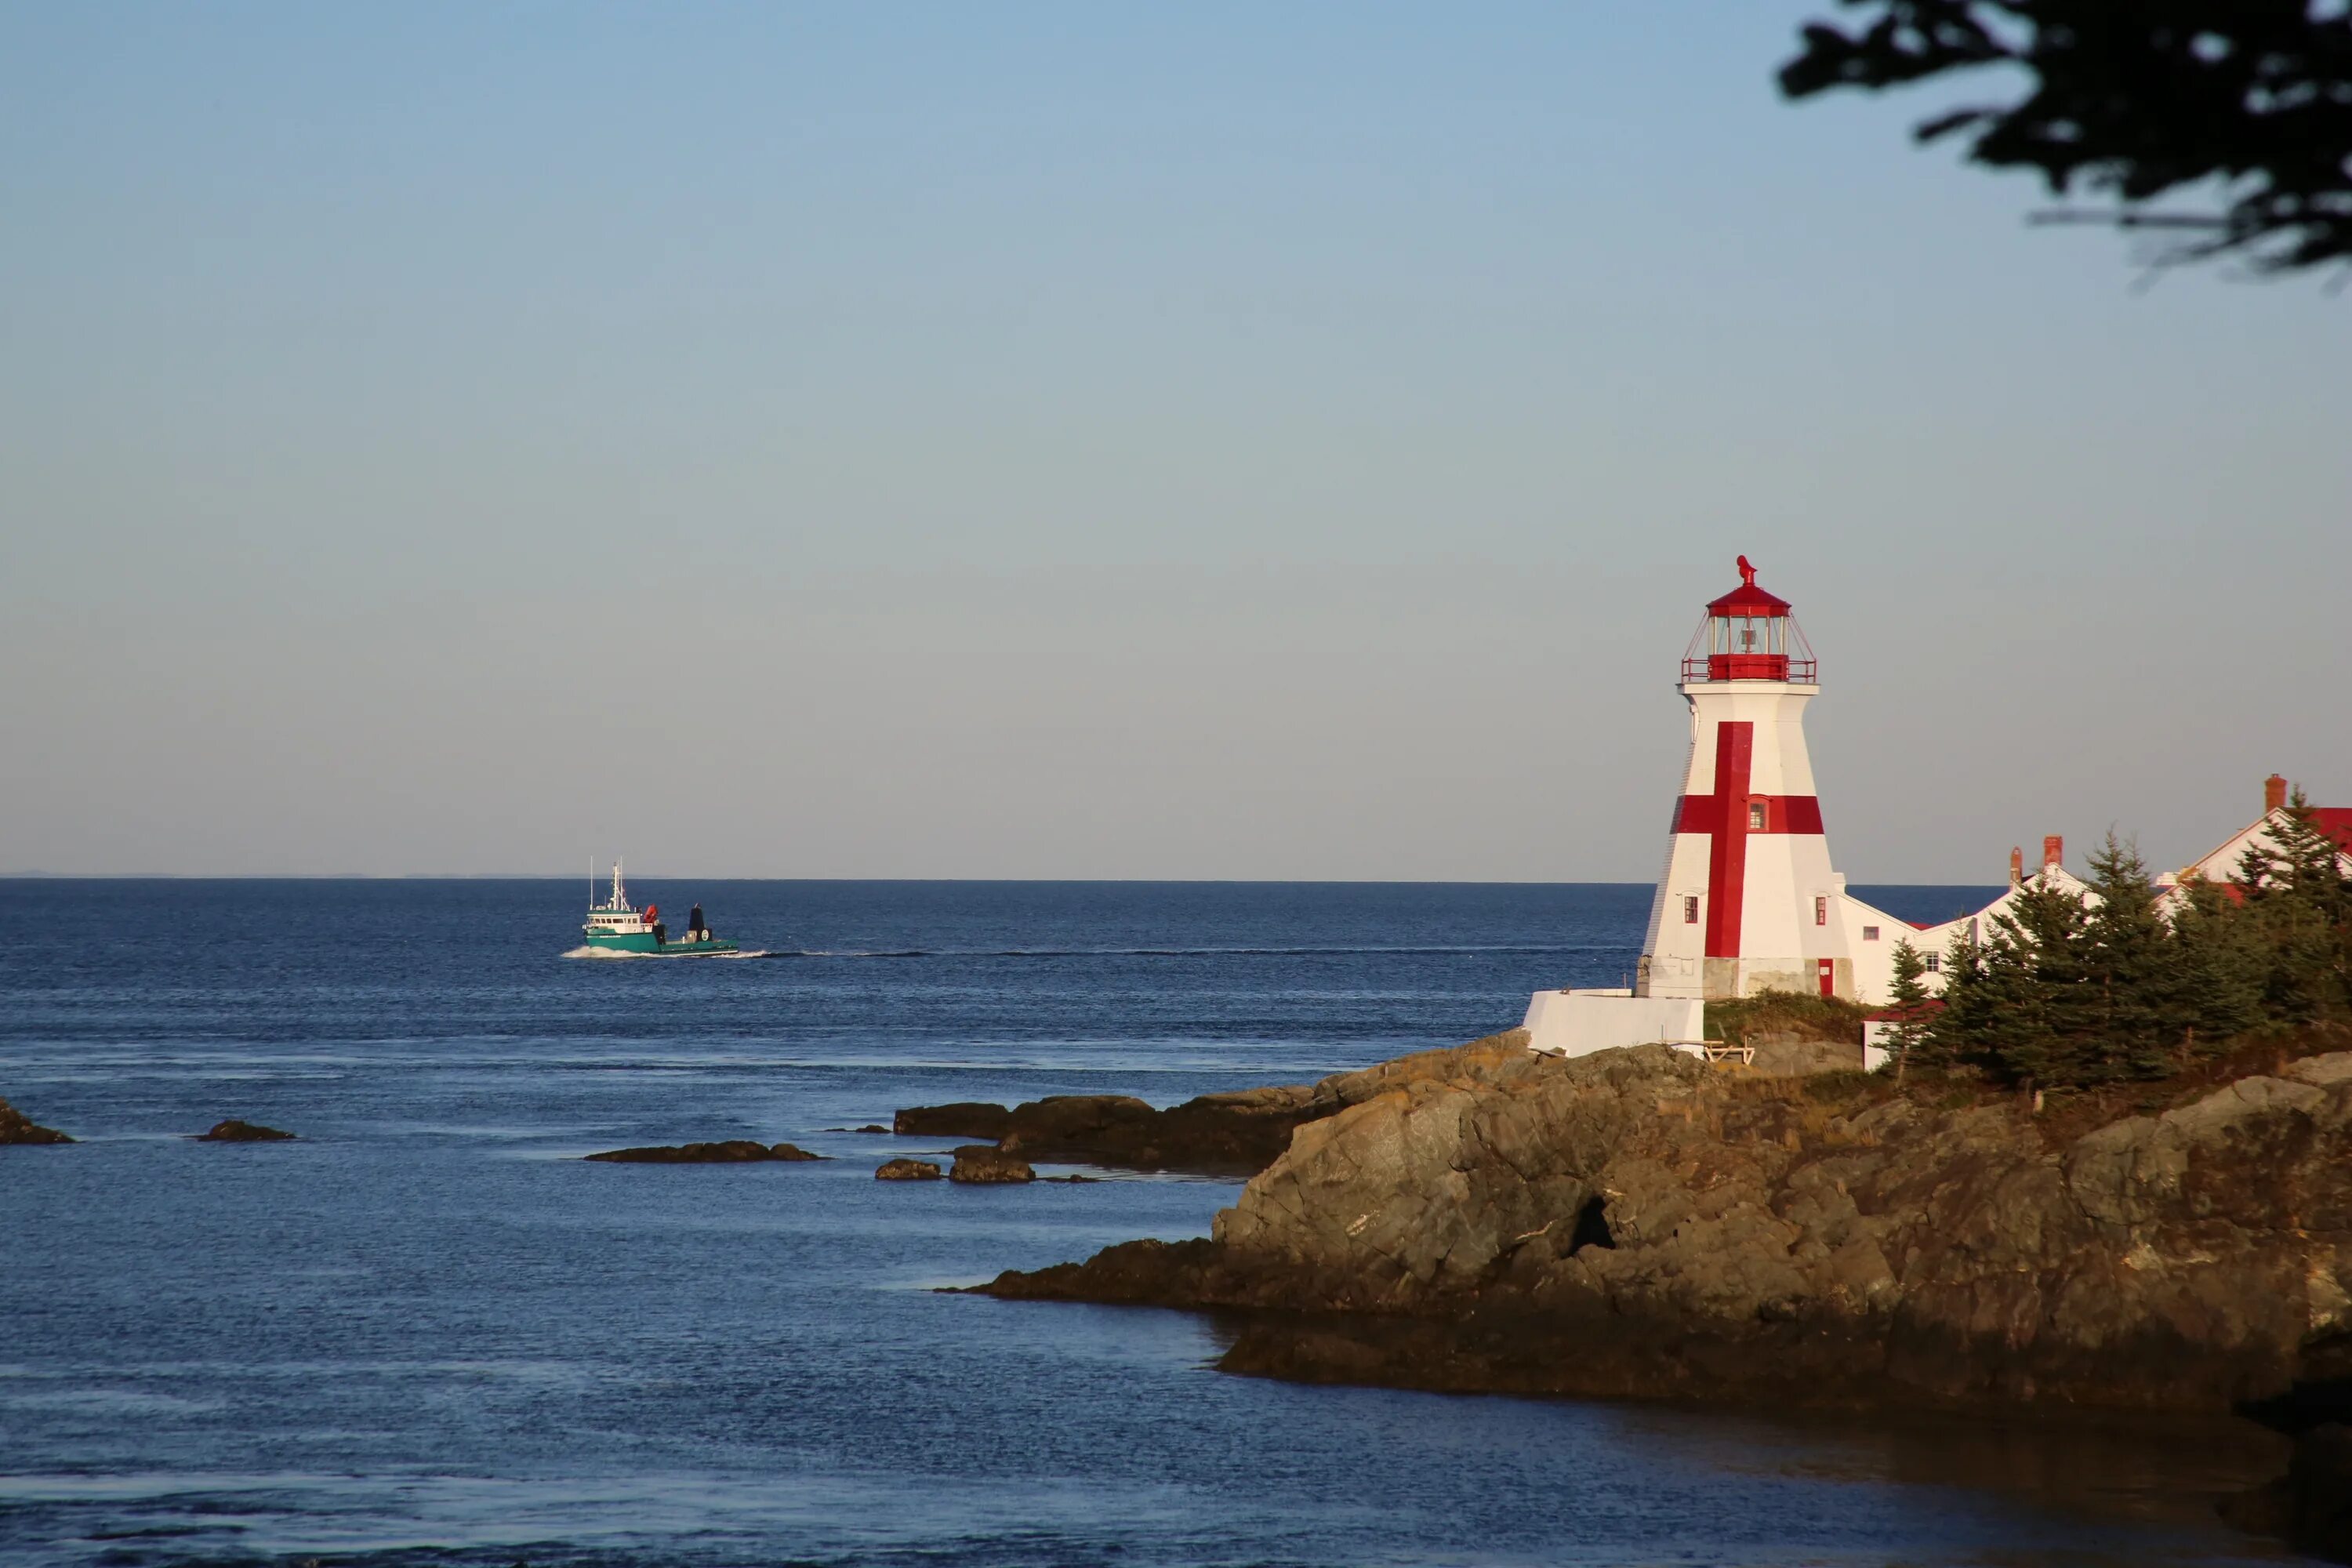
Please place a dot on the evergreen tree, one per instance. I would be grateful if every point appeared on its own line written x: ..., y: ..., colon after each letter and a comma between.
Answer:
x: 2136, y: 1008
x: 1909, y: 996
x: 1952, y: 1033
x: 2066, y: 991
x: 2223, y: 966
x: 2299, y: 902
x: 2027, y: 1021
x: 2241, y: 101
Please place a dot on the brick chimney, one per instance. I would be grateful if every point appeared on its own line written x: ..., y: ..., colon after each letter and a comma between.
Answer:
x: 2054, y: 850
x: 2274, y: 793
x: 2017, y: 865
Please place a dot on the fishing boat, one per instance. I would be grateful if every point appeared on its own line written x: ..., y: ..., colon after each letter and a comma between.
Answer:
x: 615, y: 928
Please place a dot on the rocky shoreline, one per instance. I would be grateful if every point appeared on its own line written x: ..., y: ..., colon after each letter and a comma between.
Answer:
x: 1636, y: 1224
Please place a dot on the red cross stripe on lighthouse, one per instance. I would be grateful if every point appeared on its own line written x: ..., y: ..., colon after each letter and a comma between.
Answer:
x: 1729, y: 816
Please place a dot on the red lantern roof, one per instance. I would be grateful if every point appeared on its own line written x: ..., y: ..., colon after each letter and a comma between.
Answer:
x: 1748, y: 599
x: 1749, y: 634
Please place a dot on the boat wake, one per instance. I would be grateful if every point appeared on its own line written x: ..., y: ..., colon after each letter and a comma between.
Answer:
x: 1098, y: 952
x: 1447, y: 952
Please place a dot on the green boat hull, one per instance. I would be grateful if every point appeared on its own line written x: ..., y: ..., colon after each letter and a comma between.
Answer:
x: 643, y: 943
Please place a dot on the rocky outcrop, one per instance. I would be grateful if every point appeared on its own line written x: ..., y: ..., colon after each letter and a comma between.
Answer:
x: 733, y: 1152
x: 1226, y: 1133
x: 1635, y: 1224
x: 15, y: 1127
x: 1789, y: 1055
x: 236, y: 1131
x: 1235, y: 1134
x: 982, y: 1164
x: 906, y: 1171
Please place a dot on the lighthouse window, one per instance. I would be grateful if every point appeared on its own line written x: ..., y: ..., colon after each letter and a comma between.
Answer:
x: 1821, y: 912
x: 1756, y: 813
x: 1870, y: 933
x: 1690, y: 909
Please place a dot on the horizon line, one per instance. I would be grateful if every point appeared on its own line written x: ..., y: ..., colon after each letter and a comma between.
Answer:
x: 38, y: 876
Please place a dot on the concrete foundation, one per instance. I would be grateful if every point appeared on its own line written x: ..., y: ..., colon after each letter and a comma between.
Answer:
x: 1577, y: 1022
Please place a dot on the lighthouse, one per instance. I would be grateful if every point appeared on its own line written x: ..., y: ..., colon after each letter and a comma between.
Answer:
x: 1748, y: 902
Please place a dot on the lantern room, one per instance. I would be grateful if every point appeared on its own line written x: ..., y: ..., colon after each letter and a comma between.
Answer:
x: 1748, y: 634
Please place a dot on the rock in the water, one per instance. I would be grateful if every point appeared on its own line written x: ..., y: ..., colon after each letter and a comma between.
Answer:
x: 965, y: 1119
x: 981, y: 1164
x: 236, y: 1131
x: 733, y: 1152
x: 15, y: 1127
x: 906, y: 1171
x: 1235, y: 1134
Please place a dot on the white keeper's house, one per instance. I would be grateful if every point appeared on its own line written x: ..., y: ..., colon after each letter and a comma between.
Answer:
x: 1749, y: 900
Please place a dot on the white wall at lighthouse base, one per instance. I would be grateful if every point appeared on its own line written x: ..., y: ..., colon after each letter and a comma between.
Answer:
x: 1577, y: 1022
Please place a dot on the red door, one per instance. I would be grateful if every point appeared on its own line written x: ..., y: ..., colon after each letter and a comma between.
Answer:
x: 1828, y: 967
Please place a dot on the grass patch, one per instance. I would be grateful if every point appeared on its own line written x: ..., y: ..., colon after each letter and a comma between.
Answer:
x: 2068, y: 1114
x: 1843, y: 1088
x: 1785, y: 1013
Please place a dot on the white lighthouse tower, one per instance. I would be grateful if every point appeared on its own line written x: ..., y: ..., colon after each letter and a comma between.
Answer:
x: 1748, y: 902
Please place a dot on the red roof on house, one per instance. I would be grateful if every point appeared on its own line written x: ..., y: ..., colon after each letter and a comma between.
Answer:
x: 1896, y: 1014
x: 2336, y: 821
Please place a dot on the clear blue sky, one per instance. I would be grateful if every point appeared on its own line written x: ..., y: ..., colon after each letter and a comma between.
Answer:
x: 1086, y: 440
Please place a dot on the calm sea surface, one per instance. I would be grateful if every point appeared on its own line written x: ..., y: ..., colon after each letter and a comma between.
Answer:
x: 428, y: 1333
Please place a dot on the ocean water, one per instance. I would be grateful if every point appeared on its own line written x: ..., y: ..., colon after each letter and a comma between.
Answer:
x: 427, y: 1333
